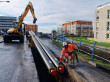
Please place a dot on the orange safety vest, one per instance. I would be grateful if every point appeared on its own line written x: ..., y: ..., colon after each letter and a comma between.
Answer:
x: 67, y: 50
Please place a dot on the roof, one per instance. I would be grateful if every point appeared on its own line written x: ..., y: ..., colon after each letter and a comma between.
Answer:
x: 83, y: 20
x: 103, y: 5
x: 7, y: 17
x: 77, y: 21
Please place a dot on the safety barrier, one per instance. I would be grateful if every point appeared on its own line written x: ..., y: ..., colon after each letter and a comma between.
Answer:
x: 61, y: 38
x: 53, y: 64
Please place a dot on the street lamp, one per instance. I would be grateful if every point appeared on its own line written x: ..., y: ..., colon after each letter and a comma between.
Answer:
x: 5, y: 1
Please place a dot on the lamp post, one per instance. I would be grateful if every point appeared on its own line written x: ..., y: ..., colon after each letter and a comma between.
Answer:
x: 5, y: 1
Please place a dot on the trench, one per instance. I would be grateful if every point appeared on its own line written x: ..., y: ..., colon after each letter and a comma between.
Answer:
x: 41, y: 68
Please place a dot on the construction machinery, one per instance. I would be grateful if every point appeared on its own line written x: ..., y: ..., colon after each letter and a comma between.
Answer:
x: 17, y: 32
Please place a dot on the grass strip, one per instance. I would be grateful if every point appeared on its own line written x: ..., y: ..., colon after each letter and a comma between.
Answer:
x: 1, y: 37
x: 95, y: 60
x: 85, y: 40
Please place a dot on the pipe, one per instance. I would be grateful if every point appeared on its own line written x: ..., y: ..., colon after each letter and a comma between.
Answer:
x: 48, y: 62
x: 60, y: 67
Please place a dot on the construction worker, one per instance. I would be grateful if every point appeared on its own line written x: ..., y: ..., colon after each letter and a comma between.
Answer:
x: 69, y: 50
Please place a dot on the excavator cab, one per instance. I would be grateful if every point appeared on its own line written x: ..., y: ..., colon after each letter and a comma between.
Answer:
x: 21, y: 29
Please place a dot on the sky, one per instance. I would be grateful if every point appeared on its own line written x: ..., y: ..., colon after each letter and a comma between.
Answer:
x: 51, y: 14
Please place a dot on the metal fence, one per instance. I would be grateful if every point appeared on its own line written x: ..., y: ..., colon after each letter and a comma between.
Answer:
x: 61, y: 38
x: 92, y: 49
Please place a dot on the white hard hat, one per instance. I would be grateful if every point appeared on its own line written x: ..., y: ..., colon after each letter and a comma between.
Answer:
x: 64, y: 43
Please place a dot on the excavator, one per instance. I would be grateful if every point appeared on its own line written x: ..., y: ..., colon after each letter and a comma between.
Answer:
x: 17, y: 32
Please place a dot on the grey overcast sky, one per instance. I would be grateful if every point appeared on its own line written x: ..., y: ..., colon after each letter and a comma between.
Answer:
x: 52, y: 13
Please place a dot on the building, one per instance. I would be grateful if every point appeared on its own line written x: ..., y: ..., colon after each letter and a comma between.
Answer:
x: 102, y: 23
x: 6, y: 22
x: 60, y: 30
x: 29, y: 27
x: 79, y: 28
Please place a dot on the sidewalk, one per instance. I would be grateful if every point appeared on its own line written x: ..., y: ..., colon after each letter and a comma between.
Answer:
x: 91, y: 45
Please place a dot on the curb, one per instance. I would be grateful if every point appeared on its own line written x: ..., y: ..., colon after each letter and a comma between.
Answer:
x: 103, y: 68
x: 95, y: 64
x: 75, y: 76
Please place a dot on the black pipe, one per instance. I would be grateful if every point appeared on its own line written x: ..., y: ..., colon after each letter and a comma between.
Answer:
x: 45, y: 58
x: 56, y: 62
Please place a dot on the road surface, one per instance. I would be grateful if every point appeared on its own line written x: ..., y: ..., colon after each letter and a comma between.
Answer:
x: 16, y: 63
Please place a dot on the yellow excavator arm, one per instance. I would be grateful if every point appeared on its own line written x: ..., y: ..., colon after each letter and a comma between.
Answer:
x: 29, y: 7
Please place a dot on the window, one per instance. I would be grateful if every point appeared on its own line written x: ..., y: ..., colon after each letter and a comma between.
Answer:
x: 97, y: 26
x: 96, y: 35
x: 107, y: 36
x: 30, y: 27
x: 97, y: 17
x: 85, y: 30
x: 77, y: 30
x: 108, y: 25
x: 108, y: 14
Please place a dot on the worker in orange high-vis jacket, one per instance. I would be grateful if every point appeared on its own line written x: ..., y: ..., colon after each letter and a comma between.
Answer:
x: 69, y: 50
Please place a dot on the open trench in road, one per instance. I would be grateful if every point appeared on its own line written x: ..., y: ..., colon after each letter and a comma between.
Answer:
x: 42, y: 70
x: 43, y: 74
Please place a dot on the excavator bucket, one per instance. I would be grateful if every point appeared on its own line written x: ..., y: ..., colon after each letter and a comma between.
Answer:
x: 34, y: 21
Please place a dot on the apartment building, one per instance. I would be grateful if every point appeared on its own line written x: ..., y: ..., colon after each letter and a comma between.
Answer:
x: 79, y: 28
x: 102, y: 23
x: 29, y: 27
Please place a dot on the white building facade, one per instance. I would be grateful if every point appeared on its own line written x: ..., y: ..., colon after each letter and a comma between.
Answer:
x: 102, y: 23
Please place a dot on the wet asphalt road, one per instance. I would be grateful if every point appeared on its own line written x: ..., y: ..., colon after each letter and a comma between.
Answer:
x: 16, y: 63
x: 87, y: 71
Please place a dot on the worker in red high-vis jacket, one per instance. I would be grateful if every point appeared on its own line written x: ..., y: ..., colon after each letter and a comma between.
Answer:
x: 69, y: 50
